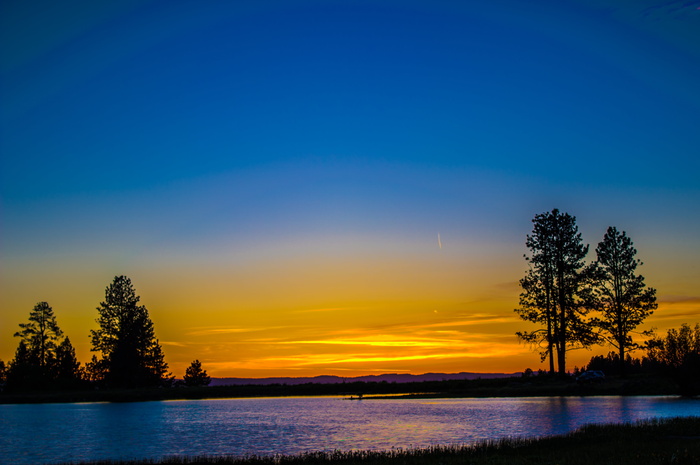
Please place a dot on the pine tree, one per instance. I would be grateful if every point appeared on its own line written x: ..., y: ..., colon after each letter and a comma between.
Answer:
x: 555, y: 288
x: 621, y: 295
x: 41, y: 334
x: 131, y: 354
x: 24, y: 371
x: 35, y: 359
x: 195, y: 376
x: 66, y: 368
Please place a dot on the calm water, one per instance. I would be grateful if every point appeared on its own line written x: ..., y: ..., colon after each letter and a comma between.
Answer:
x: 70, y: 432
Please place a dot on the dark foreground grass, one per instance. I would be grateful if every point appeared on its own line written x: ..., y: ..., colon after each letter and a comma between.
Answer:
x: 668, y: 441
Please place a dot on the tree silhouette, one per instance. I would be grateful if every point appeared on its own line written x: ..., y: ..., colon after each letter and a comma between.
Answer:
x: 66, y: 369
x: 35, y: 362
x: 195, y: 376
x: 678, y: 354
x: 24, y: 371
x: 555, y: 288
x: 620, y: 294
x: 537, y: 305
x: 131, y: 354
x: 41, y: 334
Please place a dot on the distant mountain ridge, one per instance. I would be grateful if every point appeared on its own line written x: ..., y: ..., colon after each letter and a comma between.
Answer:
x: 389, y: 378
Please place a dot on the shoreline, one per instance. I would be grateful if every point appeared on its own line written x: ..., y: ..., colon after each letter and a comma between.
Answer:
x: 481, y: 388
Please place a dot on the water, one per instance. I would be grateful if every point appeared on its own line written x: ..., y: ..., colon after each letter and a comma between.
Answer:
x: 49, y: 433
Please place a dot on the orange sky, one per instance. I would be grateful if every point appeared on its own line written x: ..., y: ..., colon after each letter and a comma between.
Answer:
x: 347, y: 306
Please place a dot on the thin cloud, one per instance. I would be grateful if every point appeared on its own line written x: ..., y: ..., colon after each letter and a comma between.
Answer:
x: 388, y: 342
x: 510, y: 285
x: 209, y: 331
x: 174, y: 344
x: 427, y: 341
x: 333, y: 359
x: 679, y: 299
x: 461, y: 320
x: 326, y: 310
x: 689, y: 314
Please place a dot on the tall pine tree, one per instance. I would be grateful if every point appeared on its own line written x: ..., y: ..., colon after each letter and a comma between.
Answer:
x: 41, y: 335
x: 555, y: 288
x: 621, y: 295
x: 131, y: 354
x: 66, y: 370
x: 34, y: 365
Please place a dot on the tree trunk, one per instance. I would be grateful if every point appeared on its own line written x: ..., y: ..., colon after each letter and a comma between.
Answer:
x: 622, y: 360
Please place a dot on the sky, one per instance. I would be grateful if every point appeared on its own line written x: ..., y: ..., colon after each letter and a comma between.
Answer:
x: 339, y: 187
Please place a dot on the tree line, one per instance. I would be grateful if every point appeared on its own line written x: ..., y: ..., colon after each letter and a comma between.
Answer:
x: 130, y: 356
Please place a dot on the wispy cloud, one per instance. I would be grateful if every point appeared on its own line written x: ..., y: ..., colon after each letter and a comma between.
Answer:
x: 679, y: 299
x: 333, y: 359
x: 678, y: 307
x: 389, y: 341
x: 327, y: 310
x: 691, y: 315
x: 210, y: 331
x: 174, y: 344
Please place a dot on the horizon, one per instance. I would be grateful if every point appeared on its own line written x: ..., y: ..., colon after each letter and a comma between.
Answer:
x: 339, y: 189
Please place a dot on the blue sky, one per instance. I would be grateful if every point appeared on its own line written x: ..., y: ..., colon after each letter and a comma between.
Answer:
x: 135, y: 135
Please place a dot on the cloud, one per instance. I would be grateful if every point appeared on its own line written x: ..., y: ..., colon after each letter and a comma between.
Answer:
x: 173, y: 343
x: 210, y: 331
x: 676, y: 307
x: 333, y: 359
x: 508, y: 286
x: 679, y: 299
x: 326, y: 310
x: 386, y: 340
x: 688, y: 314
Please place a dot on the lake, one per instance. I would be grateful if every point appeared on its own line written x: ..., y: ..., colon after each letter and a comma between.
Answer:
x: 48, y: 433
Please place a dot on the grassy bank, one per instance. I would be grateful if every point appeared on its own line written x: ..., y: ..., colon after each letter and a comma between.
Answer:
x: 502, y: 387
x: 670, y: 441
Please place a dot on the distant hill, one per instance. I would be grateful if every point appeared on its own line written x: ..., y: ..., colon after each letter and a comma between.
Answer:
x: 389, y: 378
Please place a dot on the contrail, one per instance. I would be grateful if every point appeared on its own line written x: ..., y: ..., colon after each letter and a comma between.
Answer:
x: 439, y: 241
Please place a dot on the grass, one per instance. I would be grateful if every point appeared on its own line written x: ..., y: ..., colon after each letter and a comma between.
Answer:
x: 668, y: 441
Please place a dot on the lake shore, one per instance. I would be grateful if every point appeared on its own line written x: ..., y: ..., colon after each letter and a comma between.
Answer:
x: 504, y: 387
x: 672, y: 441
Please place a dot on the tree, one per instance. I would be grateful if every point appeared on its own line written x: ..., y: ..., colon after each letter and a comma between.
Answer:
x: 35, y: 359
x: 24, y: 371
x: 95, y: 370
x: 3, y: 374
x: 610, y: 364
x: 195, y: 376
x: 131, y: 354
x: 555, y: 288
x: 41, y: 334
x: 536, y: 305
x: 678, y: 354
x: 620, y: 294
x: 67, y: 368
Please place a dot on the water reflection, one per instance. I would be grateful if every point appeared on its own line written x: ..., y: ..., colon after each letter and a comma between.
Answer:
x: 72, y: 432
